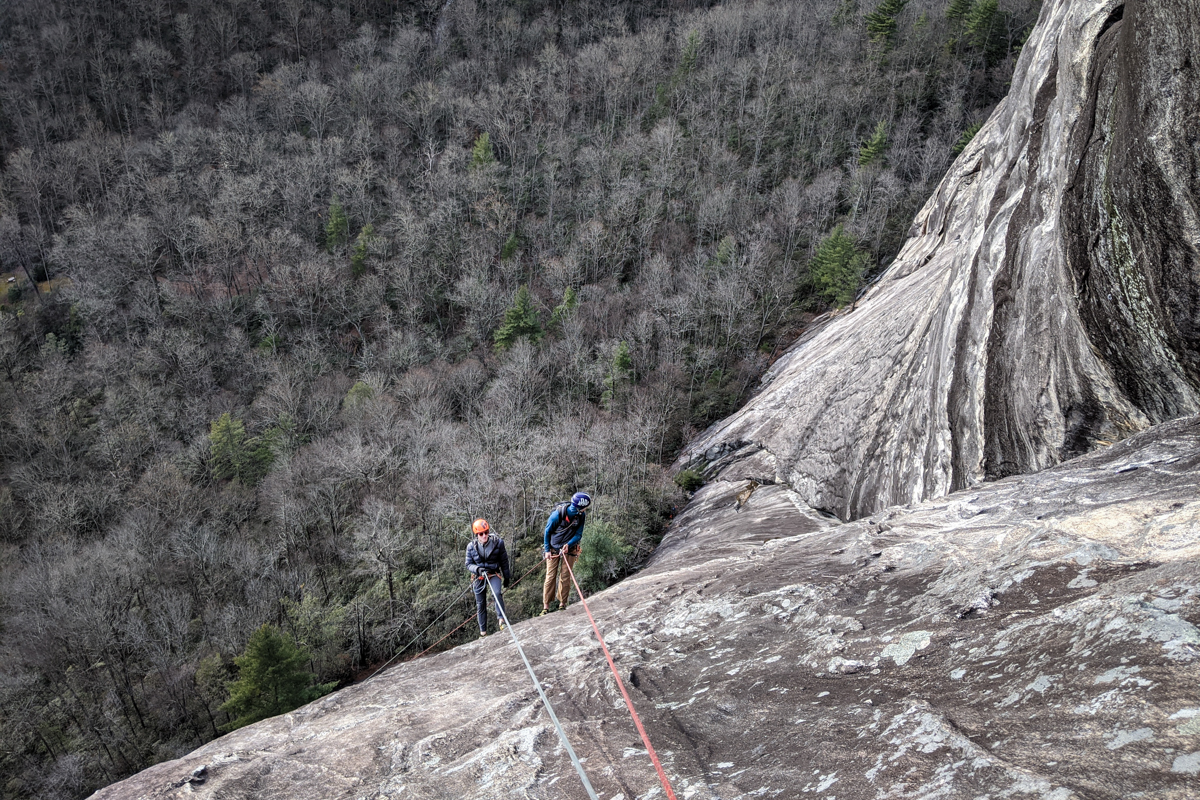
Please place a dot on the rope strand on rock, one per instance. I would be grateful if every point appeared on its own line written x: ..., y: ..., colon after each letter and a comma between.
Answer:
x: 662, y: 776
x: 422, y: 633
x: 463, y: 624
x: 562, y: 735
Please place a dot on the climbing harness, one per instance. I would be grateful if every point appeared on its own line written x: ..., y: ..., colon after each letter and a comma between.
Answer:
x: 461, y: 625
x: 662, y: 776
x: 562, y: 735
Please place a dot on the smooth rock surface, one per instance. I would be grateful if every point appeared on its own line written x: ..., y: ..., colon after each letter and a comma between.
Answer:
x: 1035, y: 637
x: 1031, y: 637
x: 1047, y: 302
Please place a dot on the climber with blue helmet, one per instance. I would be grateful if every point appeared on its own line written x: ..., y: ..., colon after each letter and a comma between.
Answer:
x: 564, y: 532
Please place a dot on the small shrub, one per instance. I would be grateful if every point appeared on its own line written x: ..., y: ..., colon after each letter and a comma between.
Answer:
x: 359, y: 395
x: 689, y: 480
x: 604, y: 557
x: 269, y: 344
x: 965, y: 139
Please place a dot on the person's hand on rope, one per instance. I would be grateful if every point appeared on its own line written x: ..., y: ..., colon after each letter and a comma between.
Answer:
x: 547, y: 555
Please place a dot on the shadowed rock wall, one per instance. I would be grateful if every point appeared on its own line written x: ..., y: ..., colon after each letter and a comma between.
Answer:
x: 1047, y: 302
x: 1131, y: 207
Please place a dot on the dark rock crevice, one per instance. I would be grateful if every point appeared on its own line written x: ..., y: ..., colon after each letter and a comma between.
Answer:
x: 1130, y: 244
x: 1008, y: 449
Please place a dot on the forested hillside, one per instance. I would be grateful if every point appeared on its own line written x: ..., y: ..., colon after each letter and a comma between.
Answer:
x: 299, y: 289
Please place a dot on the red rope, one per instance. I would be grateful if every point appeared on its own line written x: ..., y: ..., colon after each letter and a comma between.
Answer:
x: 468, y: 619
x: 444, y: 638
x: 662, y: 776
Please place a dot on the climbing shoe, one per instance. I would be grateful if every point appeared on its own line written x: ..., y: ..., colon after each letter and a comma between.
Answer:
x: 545, y: 611
x: 501, y: 626
x: 482, y: 633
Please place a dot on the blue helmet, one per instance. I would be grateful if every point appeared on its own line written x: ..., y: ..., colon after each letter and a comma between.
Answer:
x: 581, y: 499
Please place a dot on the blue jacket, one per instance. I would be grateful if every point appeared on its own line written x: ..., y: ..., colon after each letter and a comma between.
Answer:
x: 488, y: 558
x: 562, y: 529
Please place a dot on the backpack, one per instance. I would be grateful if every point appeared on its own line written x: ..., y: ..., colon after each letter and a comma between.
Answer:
x: 561, y: 510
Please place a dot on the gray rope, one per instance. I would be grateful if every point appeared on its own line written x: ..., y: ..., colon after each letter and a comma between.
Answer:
x: 545, y: 700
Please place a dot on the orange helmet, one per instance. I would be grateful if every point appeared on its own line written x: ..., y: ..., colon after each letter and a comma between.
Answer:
x: 480, y: 526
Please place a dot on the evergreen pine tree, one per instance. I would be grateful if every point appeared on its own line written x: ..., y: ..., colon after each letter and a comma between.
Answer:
x: 620, y: 374
x: 233, y: 456
x: 358, y: 256
x: 337, y: 228
x: 985, y: 29
x: 227, y: 445
x: 958, y: 9
x: 872, y: 151
x: 837, y: 268
x: 521, y: 319
x: 726, y: 250
x: 846, y: 13
x: 272, y: 679
x: 481, y: 153
x: 689, y: 56
x: 881, y: 23
x: 509, y: 249
x: 569, y: 301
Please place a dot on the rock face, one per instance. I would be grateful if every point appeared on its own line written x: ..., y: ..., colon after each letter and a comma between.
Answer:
x: 1032, y: 636
x: 1046, y: 303
x: 1035, y: 637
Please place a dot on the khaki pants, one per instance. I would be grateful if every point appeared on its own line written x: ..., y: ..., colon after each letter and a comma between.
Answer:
x: 557, y: 577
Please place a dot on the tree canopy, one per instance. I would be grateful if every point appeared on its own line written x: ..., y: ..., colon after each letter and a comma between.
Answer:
x: 273, y: 678
x: 299, y: 289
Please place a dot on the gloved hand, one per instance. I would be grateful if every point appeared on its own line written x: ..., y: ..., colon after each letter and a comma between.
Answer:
x: 504, y: 583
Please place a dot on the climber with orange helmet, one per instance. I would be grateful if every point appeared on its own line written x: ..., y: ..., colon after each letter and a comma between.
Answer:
x: 487, y: 561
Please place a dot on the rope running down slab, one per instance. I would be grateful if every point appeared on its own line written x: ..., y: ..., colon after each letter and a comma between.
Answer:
x: 662, y: 776
x: 435, y: 622
x: 562, y: 735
